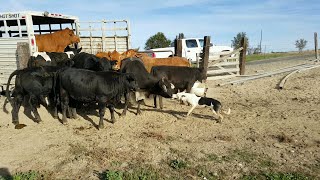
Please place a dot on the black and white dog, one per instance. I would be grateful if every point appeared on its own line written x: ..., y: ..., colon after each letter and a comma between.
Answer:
x: 195, y: 101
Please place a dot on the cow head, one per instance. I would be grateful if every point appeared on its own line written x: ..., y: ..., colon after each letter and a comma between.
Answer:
x: 113, y: 64
x: 115, y: 55
x: 70, y: 36
x: 166, y: 88
x: 105, y: 65
x: 131, y: 82
x: 131, y: 53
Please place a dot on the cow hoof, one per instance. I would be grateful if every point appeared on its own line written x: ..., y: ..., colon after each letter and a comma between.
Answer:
x: 15, y: 122
x: 39, y: 122
x: 64, y: 122
x: 101, y: 126
x: 113, y: 121
x: 19, y: 126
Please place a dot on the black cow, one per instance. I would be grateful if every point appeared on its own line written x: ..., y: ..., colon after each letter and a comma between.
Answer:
x: 52, y: 58
x: 103, y: 87
x: 34, y: 83
x: 147, y: 83
x: 91, y: 62
x: 182, y: 78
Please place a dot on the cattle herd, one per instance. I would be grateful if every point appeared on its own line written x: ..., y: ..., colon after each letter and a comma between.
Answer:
x: 65, y: 81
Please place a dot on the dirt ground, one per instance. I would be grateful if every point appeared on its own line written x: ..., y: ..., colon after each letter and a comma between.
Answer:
x: 268, y: 130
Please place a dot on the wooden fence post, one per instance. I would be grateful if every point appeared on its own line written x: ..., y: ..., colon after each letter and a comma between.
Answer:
x: 205, y: 55
x: 316, y: 44
x: 242, y: 60
x: 179, y: 48
x: 23, y: 54
x: 175, y: 46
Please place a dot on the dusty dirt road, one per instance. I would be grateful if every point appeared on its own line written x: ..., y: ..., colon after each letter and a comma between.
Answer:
x: 268, y: 130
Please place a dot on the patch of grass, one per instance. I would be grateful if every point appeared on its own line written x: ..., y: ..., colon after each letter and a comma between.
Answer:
x: 277, y: 176
x: 241, y: 155
x: 135, y: 174
x: 254, y: 57
x: 111, y: 175
x: 177, y: 164
x: 245, y: 156
x: 30, y: 175
x: 213, y: 157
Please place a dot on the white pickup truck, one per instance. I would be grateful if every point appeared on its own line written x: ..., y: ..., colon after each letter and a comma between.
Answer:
x: 190, y: 48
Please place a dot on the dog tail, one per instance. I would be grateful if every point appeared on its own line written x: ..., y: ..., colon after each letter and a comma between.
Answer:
x: 220, y: 112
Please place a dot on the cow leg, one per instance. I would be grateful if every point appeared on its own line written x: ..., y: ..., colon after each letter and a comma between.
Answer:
x: 55, y: 112
x: 33, y: 101
x: 155, y: 101
x: 138, y: 108
x: 102, y: 110
x: 111, y: 109
x: 126, y: 99
x: 53, y: 105
x: 64, y: 105
x: 72, y: 111
x: 160, y: 102
x: 43, y: 101
x: 17, y: 101
x: 74, y: 114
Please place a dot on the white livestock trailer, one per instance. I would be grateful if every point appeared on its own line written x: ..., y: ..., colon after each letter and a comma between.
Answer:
x: 18, y: 30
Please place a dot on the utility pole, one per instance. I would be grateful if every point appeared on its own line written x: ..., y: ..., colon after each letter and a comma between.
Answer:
x: 260, y: 42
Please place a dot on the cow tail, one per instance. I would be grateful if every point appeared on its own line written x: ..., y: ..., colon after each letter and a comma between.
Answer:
x: 8, y: 85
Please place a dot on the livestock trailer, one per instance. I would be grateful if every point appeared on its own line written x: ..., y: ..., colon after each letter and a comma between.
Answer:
x: 18, y: 30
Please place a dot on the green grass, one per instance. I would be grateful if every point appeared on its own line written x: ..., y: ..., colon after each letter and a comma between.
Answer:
x: 178, y: 164
x: 135, y: 174
x: 254, y: 57
x: 30, y: 175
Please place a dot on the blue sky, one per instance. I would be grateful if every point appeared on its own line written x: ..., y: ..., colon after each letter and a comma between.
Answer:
x: 281, y: 21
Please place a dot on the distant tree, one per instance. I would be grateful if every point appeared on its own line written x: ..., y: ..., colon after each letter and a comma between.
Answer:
x: 301, y: 44
x: 236, y: 42
x: 158, y: 40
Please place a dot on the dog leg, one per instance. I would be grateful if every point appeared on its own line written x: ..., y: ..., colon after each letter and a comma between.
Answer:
x: 220, y: 117
x: 190, y: 111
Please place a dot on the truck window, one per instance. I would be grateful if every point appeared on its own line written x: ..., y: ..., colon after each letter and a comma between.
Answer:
x: 14, y: 28
x: 191, y: 43
x: 201, y: 41
x: 45, y: 25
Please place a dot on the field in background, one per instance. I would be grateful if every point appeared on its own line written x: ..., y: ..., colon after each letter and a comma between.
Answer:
x: 255, y: 57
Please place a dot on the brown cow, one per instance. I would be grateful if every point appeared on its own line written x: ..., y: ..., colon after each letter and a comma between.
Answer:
x: 57, y: 41
x: 149, y: 62
x: 115, y: 55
